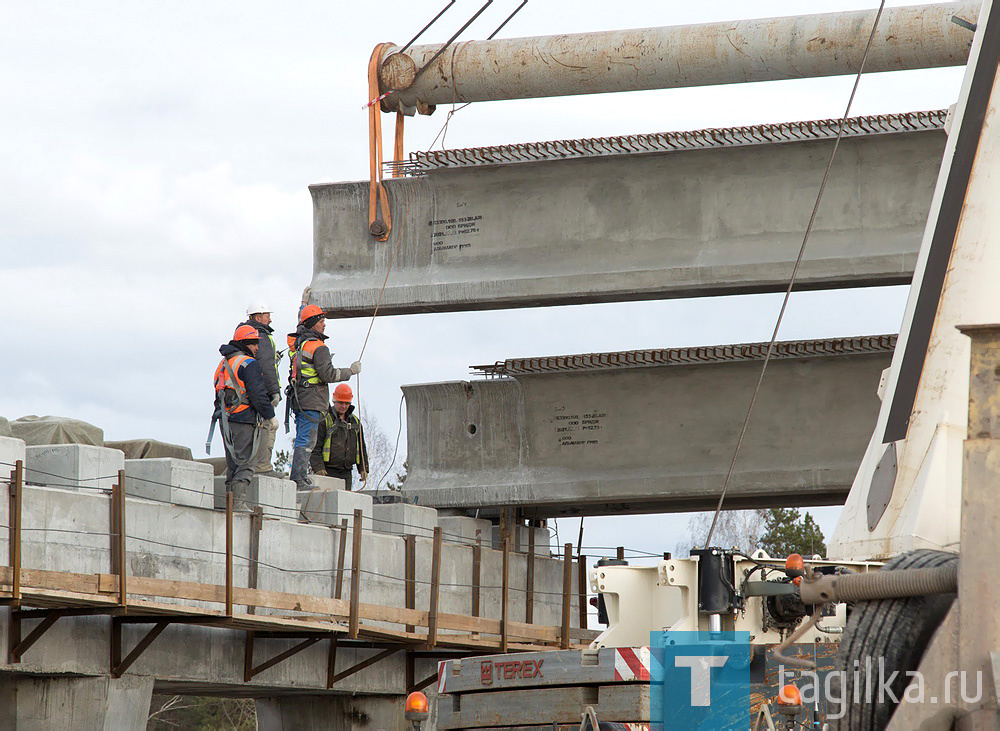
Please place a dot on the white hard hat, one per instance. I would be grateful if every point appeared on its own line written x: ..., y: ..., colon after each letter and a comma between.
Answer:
x: 256, y: 307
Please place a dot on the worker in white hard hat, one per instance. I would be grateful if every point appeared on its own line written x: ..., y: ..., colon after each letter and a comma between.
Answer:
x: 259, y: 317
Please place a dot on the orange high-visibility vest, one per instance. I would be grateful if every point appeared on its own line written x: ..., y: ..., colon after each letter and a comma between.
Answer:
x: 227, y: 378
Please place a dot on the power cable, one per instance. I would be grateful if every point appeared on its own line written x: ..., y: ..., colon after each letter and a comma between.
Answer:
x: 424, y: 29
x: 795, y: 271
x: 509, y: 18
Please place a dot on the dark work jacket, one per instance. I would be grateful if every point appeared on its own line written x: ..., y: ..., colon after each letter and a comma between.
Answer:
x: 314, y: 397
x: 347, y: 443
x: 249, y: 372
x: 266, y: 357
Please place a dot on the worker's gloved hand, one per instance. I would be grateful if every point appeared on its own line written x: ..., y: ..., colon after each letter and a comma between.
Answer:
x: 321, y: 473
x: 275, y: 399
x: 273, y: 423
x: 364, y: 476
x: 356, y: 367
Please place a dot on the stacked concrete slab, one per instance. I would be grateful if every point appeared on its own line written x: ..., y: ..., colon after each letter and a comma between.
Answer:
x: 402, y: 519
x: 73, y: 465
x: 330, y: 503
x: 274, y: 495
x: 170, y: 480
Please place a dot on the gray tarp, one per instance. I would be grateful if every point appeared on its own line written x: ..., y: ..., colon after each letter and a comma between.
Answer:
x: 5, y: 428
x: 150, y: 449
x: 37, y: 430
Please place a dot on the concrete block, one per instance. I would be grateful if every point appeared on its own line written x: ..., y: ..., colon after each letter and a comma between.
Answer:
x: 328, y: 483
x: 170, y: 480
x: 330, y: 506
x: 73, y: 465
x: 275, y: 495
x: 462, y: 529
x: 11, y: 450
x: 402, y: 519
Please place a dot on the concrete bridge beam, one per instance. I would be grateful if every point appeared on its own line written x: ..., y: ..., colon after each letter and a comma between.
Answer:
x: 648, y: 431
x: 646, y: 217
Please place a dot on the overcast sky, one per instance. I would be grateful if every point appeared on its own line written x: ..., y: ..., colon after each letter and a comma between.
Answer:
x: 155, y: 164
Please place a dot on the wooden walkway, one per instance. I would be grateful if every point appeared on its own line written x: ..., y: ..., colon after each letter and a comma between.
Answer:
x: 50, y: 595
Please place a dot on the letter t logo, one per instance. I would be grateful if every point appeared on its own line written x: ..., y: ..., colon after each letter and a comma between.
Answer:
x: 701, y: 675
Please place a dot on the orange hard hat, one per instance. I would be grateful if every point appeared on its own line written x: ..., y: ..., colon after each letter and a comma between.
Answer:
x: 343, y: 393
x: 246, y: 332
x: 309, y: 311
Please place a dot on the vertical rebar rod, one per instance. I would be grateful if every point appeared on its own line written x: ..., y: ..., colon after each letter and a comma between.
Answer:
x: 567, y: 594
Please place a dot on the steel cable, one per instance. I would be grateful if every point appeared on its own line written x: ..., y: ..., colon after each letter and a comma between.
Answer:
x: 795, y: 272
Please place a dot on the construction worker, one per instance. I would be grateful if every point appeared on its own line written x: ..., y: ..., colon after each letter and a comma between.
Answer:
x: 241, y: 404
x: 259, y: 318
x: 340, y: 440
x: 308, y: 394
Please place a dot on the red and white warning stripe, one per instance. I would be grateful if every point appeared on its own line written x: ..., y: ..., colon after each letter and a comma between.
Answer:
x: 442, y: 675
x: 633, y: 663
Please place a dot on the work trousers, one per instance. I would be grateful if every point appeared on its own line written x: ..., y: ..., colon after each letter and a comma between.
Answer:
x: 239, y: 460
x: 306, y: 426
x: 265, y: 445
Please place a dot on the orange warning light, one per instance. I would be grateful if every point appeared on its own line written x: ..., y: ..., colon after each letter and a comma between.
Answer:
x: 789, y: 696
x: 416, y: 708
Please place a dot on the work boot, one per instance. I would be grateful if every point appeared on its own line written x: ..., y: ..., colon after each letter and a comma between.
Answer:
x: 300, y: 468
x: 240, y: 488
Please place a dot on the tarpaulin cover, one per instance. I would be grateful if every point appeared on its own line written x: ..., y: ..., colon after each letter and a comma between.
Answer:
x: 218, y: 464
x: 150, y: 449
x: 38, y: 430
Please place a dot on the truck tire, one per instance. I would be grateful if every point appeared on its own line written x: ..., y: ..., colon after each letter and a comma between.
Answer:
x: 894, y: 630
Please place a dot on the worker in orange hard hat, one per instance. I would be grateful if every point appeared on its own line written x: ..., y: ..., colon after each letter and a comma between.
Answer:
x: 241, y: 404
x: 340, y: 440
x: 308, y: 395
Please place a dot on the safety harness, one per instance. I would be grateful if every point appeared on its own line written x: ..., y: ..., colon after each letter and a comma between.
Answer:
x: 299, y: 376
x: 226, y: 382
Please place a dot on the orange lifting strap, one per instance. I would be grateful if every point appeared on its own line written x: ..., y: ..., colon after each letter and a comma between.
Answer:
x: 379, y: 217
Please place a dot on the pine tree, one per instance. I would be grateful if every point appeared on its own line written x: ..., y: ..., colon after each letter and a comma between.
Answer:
x: 786, y: 531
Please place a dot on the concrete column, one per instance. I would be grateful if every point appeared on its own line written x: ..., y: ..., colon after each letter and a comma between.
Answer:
x: 978, y: 591
x: 325, y: 712
x: 78, y: 703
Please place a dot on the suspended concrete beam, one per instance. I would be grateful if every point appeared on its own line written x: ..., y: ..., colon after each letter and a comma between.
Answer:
x: 643, y: 217
x: 763, y: 49
x: 648, y: 431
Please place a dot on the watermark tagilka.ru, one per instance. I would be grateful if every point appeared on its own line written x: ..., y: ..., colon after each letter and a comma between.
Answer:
x: 872, y: 682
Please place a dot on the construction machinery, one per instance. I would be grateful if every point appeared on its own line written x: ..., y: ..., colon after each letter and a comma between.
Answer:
x: 907, y: 591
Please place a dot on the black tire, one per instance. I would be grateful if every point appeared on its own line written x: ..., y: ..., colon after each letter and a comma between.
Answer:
x: 896, y: 630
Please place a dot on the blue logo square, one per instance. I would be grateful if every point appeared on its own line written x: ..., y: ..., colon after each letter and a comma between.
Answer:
x: 702, y: 680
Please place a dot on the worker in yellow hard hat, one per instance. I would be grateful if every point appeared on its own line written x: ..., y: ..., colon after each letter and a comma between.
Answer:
x: 340, y: 440
x: 308, y: 395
